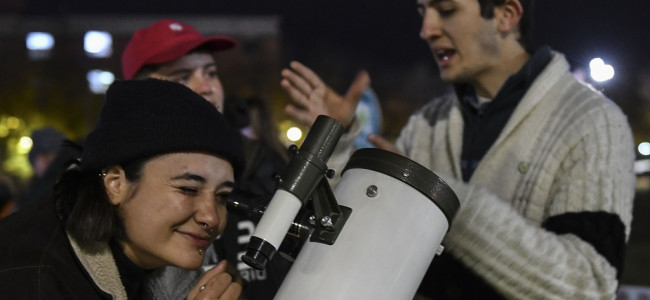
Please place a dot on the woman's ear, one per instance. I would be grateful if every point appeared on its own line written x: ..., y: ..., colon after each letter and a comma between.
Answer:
x: 508, y: 15
x: 115, y: 184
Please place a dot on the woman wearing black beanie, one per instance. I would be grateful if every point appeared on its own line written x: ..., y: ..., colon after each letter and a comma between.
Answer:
x: 149, y: 191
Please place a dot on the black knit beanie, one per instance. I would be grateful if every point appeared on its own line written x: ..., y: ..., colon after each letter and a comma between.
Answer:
x: 141, y: 118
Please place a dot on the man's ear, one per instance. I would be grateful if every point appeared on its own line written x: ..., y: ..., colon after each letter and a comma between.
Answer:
x: 508, y: 15
x: 115, y: 184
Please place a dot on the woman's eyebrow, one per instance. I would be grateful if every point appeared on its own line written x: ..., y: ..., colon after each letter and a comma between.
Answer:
x: 190, y: 176
x: 201, y: 179
x: 227, y: 184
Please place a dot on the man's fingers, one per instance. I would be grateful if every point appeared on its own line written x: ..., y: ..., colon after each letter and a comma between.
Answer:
x: 297, y: 81
x: 298, y: 98
x: 307, y: 74
x: 383, y: 143
x: 301, y: 116
x: 358, y: 86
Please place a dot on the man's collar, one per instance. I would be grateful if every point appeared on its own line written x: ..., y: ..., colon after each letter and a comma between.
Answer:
x: 526, y: 75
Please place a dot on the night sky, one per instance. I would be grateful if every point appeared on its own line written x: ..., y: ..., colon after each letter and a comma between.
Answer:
x: 388, y: 29
x: 374, y: 34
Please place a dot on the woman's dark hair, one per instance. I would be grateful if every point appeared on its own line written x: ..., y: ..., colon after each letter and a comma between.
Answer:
x: 83, y: 205
x: 525, y: 24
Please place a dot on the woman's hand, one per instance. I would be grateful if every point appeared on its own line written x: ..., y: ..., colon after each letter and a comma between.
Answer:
x: 216, y: 283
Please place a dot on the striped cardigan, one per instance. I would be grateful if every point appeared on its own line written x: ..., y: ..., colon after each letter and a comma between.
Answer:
x: 566, y: 151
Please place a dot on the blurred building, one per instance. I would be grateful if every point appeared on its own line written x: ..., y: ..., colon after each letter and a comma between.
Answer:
x: 56, y: 69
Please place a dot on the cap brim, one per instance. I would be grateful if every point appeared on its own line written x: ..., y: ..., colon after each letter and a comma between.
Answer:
x: 218, y: 43
x: 178, y: 49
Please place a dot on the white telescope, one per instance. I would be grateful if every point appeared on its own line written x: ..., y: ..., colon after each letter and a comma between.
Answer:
x: 377, y: 244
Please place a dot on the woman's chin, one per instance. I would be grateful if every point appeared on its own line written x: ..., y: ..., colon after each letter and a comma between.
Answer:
x: 189, y: 263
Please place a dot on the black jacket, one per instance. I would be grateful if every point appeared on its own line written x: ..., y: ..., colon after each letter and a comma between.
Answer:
x: 37, y: 260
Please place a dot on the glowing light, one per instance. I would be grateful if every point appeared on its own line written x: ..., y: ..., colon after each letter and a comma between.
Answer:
x: 39, y: 41
x: 644, y: 148
x: 98, y: 44
x: 13, y: 123
x: 642, y: 166
x: 24, y: 145
x: 4, y: 131
x: 600, y: 71
x: 294, y: 134
x: 99, y: 81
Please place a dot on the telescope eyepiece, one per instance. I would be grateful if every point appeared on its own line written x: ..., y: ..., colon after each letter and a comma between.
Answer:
x: 259, y: 253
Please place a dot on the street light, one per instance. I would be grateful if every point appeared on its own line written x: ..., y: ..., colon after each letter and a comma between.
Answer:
x: 39, y: 41
x: 294, y: 134
x: 599, y: 71
x: 39, y: 45
x: 644, y: 148
x: 99, y: 80
x: 98, y: 44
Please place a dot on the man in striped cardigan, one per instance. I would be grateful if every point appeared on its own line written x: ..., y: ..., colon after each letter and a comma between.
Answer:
x: 541, y: 162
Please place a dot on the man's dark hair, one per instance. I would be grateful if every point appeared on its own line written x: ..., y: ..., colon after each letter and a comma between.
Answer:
x: 525, y: 25
x: 84, y: 207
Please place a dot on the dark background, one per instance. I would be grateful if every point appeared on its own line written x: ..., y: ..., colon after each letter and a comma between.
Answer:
x: 337, y: 38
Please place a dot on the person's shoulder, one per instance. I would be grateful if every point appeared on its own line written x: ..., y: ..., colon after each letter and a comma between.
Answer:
x: 39, y: 280
x: 585, y: 94
x: 28, y: 235
x: 558, y: 74
x: 437, y: 108
x: 596, y: 109
x: 35, y: 259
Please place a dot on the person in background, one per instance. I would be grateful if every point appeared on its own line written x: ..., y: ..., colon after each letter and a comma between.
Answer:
x: 265, y: 152
x: 45, y: 158
x: 148, y: 191
x: 541, y: 162
x: 266, y: 156
x: 175, y: 51
x: 46, y: 143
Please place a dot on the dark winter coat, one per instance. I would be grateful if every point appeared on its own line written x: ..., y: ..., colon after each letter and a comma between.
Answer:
x: 38, y: 260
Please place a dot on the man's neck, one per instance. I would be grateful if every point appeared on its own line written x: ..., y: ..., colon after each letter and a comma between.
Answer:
x: 512, y: 58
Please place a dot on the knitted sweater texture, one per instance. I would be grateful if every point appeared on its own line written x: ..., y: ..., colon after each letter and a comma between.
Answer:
x: 566, y: 149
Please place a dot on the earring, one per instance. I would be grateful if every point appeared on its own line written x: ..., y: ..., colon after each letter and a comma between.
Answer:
x: 103, y: 173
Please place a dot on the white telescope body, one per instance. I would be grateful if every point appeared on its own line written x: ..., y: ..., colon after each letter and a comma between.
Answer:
x: 400, y: 213
x: 376, y: 242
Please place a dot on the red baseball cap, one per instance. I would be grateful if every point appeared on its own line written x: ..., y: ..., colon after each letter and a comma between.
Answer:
x: 165, y: 41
